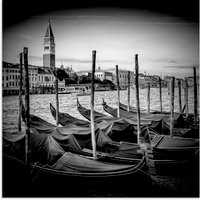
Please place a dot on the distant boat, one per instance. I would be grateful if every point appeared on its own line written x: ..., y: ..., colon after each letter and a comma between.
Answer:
x: 84, y: 92
x: 68, y: 90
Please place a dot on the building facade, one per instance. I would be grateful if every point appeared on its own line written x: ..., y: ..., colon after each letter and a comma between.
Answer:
x: 123, y: 77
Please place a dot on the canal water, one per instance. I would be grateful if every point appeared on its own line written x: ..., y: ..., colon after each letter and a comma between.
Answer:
x: 39, y: 104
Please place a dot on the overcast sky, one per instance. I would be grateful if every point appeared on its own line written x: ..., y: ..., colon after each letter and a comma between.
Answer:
x: 166, y: 45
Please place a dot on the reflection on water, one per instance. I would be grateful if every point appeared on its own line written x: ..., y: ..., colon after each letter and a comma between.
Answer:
x: 39, y: 104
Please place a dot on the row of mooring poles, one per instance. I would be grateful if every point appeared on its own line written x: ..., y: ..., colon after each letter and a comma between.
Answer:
x: 27, y: 100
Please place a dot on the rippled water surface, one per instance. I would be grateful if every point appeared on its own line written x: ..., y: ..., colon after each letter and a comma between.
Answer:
x: 39, y: 104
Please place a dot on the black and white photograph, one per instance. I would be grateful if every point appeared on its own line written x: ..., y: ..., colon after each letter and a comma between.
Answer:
x: 100, y: 99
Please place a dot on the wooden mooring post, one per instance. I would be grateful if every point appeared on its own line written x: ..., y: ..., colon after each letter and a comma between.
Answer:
x: 92, y: 106
x: 172, y: 107
x: 160, y: 93
x: 27, y: 117
x: 148, y: 97
x: 186, y: 97
x: 179, y: 96
x: 128, y: 103
x: 20, y: 93
x: 195, y: 96
x: 57, y: 98
x: 118, y: 91
x: 168, y: 87
x: 137, y: 98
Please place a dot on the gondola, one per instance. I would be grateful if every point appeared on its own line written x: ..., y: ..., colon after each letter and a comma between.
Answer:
x: 117, y: 129
x: 152, y: 122
x: 174, y: 163
x: 134, y: 110
x: 98, y: 117
x: 53, y: 161
x: 66, y: 119
x: 159, y: 122
x: 78, y: 139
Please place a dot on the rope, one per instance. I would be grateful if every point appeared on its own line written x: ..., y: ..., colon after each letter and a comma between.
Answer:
x: 34, y: 178
x: 144, y: 172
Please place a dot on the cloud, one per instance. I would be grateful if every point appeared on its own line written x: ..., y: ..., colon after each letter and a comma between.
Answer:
x: 35, y: 58
x: 182, y: 66
x: 166, y: 60
x: 75, y: 60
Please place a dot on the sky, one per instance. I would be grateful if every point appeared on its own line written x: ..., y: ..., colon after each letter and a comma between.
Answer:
x: 165, y: 44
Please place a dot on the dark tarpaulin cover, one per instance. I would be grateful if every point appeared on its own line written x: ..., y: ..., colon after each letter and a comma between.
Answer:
x: 79, y: 164
x: 73, y: 136
x: 44, y: 148
x: 48, y: 143
x: 117, y: 129
x: 79, y: 138
x: 167, y: 142
x: 146, y: 119
x: 176, y: 148
x: 144, y: 116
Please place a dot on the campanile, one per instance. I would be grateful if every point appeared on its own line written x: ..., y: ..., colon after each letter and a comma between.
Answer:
x: 49, y: 48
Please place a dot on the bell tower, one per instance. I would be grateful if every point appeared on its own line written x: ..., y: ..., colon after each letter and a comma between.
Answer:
x: 49, y: 48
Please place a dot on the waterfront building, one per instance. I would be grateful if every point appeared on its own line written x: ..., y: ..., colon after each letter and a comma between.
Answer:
x: 45, y: 77
x: 123, y: 77
x: 103, y: 75
x: 49, y: 48
x: 10, y: 78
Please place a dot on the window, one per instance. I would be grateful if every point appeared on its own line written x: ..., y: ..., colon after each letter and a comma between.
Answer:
x: 46, y: 48
x: 3, y: 78
x: 39, y: 78
x: 7, y: 78
x: 10, y: 77
x: 10, y: 83
x: 6, y: 84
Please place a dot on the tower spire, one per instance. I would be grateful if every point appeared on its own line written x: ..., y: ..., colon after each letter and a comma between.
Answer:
x: 49, y: 47
x: 49, y: 32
